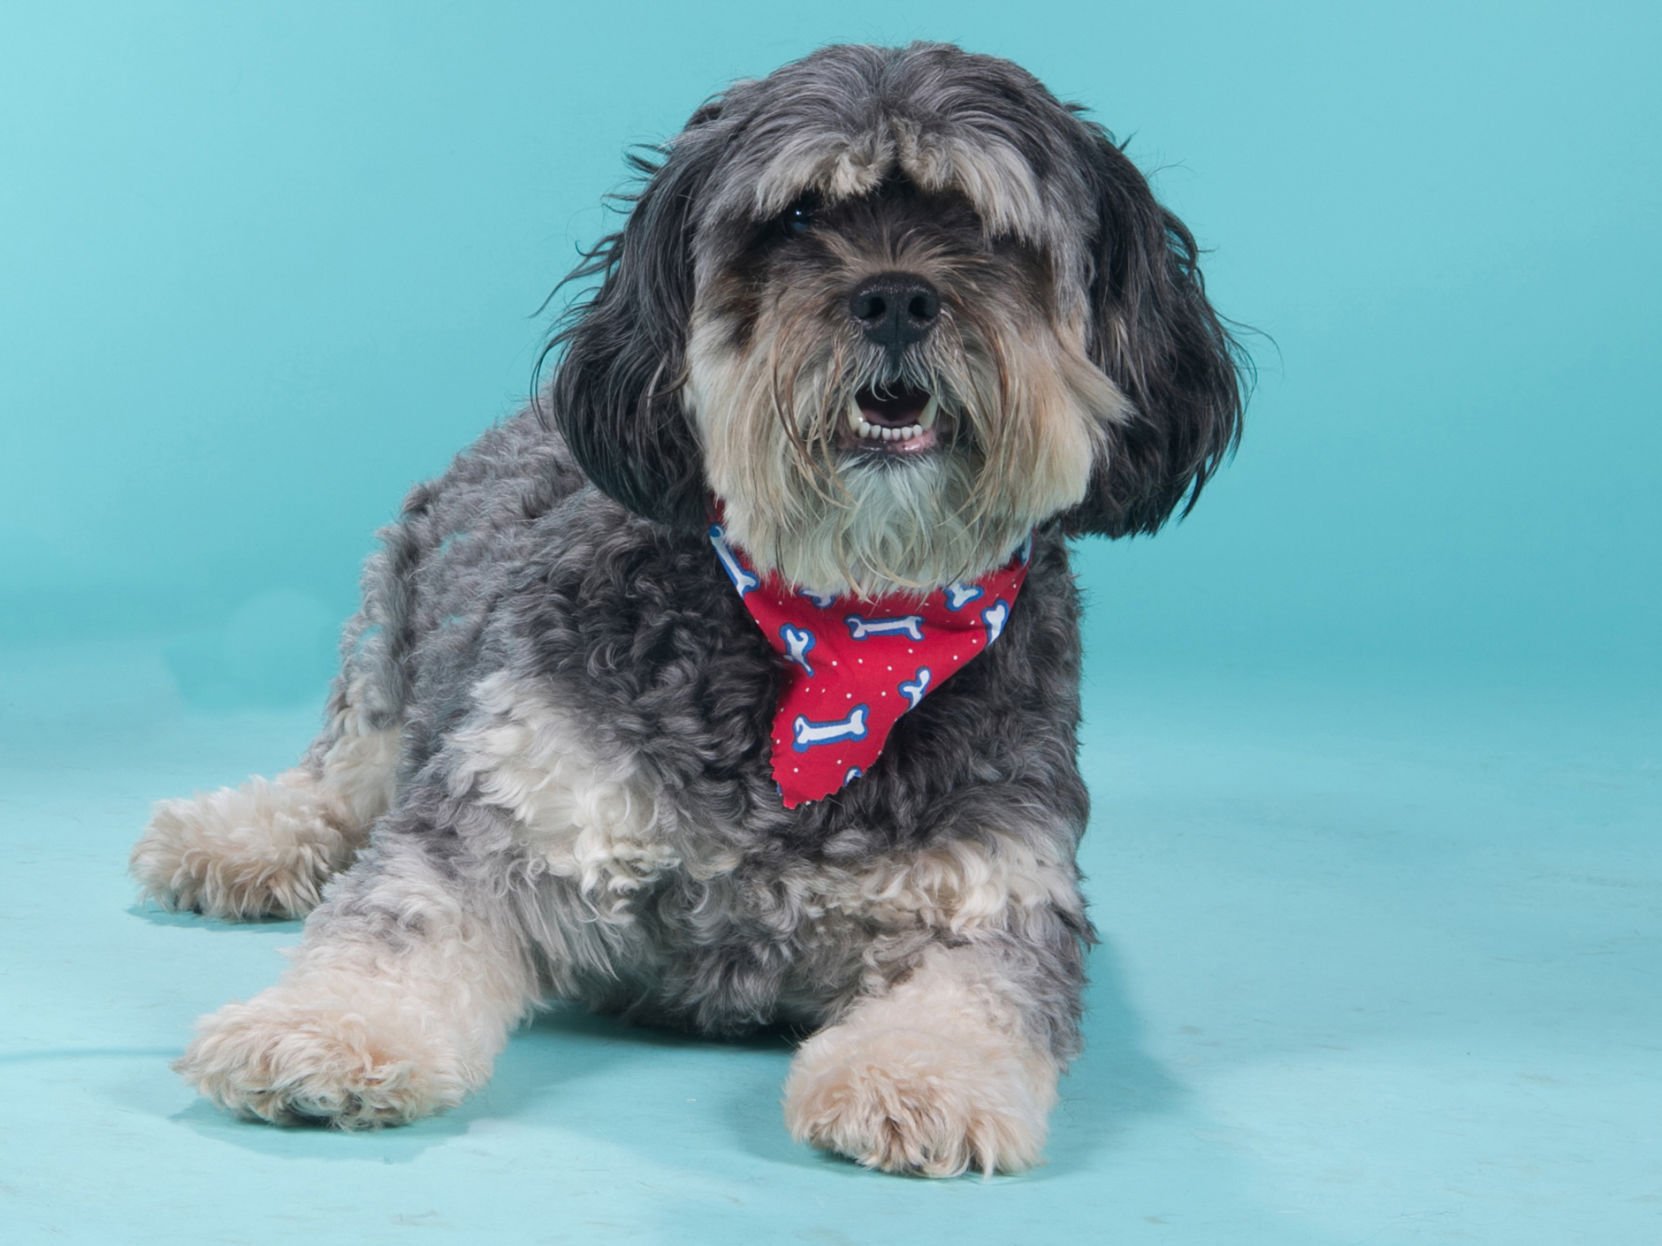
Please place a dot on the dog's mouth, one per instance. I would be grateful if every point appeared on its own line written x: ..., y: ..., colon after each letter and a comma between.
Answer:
x: 899, y: 421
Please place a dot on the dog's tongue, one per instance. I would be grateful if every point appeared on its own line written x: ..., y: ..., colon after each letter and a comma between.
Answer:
x: 893, y: 411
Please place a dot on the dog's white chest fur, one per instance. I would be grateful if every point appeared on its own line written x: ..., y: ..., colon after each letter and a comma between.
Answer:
x: 588, y: 820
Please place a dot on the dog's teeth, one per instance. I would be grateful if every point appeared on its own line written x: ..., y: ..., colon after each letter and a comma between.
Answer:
x: 930, y: 410
x: 867, y: 431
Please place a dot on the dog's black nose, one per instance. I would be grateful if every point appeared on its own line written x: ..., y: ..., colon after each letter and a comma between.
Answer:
x: 895, y: 310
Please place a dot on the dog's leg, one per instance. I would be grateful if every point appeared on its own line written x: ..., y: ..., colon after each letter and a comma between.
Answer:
x: 266, y: 848
x: 953, y: 1067
x: 404, y: 988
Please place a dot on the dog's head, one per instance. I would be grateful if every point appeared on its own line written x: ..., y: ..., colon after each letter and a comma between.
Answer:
x: 893, y: 308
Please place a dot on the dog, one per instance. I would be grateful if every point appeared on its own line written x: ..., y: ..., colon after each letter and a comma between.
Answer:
x: 879, y: 334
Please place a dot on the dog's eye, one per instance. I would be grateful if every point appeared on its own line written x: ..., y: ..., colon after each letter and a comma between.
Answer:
x: 798, y: 219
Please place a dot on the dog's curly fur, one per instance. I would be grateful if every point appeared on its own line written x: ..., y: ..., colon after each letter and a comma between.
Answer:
x: 544, y: 773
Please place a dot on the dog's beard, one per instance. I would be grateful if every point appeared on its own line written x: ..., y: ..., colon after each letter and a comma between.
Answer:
x: 1022, y: 418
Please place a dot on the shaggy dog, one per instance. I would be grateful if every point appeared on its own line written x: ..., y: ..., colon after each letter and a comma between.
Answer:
x: 881, y: 330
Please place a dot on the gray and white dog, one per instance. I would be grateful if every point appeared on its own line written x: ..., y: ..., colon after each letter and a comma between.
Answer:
x: 893, y: 310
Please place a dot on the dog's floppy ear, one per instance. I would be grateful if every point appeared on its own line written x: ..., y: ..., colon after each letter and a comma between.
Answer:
x: 1154, y: 334
x: 616, y: 397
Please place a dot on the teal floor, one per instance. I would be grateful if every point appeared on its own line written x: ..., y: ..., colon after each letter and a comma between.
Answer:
x: 1378, y: 965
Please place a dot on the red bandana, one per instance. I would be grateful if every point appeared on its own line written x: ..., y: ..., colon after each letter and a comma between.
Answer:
x: 857, y: 664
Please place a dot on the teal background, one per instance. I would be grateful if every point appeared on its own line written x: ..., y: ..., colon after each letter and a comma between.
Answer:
x: 1373, y: 735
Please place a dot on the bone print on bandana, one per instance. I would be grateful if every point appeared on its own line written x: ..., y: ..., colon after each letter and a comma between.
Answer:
x: 873, y: 659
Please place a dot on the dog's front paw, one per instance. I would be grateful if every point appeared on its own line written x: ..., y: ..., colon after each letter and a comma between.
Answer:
x: 915, y: 1101
x: 284, y: 1060
x: 264, y: 849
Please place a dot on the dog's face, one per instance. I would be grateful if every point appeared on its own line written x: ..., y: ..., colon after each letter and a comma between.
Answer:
x: 887, y: 391
x: 891, y: 309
